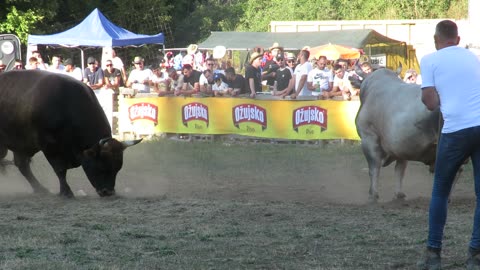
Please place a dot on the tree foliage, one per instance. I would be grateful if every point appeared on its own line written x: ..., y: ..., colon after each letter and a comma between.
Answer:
x: 19, y: 22
x: 191, y: 21
x: 259, y: 13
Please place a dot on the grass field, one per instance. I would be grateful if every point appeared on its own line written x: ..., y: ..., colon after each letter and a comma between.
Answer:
x: 228, y: 206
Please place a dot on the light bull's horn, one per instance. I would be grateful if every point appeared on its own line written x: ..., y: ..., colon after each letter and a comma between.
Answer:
x: 130, y: 142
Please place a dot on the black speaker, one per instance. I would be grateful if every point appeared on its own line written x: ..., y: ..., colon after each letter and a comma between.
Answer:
x: 10, y: 49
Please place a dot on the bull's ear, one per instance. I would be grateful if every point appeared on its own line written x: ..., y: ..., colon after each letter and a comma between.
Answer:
x: 130, y: 143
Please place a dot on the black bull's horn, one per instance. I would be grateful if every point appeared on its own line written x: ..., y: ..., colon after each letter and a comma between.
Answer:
x: 124, y: 143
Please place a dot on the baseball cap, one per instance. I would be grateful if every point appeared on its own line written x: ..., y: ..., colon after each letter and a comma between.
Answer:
x: 90, y: 60
x: 137, y: 60
x: 217, y: 76
x: 280, y: 56
x: 69, y: 61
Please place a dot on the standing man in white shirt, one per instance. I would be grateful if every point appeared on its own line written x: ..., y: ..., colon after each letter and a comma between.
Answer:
x: 118, y: 64
x: 300, y: 75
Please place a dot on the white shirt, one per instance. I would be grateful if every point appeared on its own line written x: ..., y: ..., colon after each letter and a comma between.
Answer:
x: 60, y: 69
x: 177, y: 84
x: 222, y: 87
x: 455, y: 74
x: 203, y: 80
x: 300, y: 70
x: 157, y: 79
x: 76, y: 73
x: 342, y: 83
x: 117, y: 63
x: 139, y: 76
x: 322, y: 77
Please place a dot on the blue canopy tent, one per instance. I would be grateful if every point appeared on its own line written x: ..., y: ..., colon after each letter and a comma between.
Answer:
x: 96, y: 31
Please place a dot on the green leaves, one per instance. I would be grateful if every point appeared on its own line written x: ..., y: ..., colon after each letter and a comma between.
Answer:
x: 191, y: 21
x: 19, y: 22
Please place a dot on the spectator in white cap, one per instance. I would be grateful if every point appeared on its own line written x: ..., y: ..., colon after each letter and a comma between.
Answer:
x: 140, y: 78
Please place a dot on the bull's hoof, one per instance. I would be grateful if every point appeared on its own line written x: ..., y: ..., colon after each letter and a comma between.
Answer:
x: 3, y: 164
x: 400, y: 196
x: 68, y: 195
x: 373, y: 198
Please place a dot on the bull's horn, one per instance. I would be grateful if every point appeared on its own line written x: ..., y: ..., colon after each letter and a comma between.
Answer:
x: 104, y: 140
x: 130, y: 142
x: 399, y: 69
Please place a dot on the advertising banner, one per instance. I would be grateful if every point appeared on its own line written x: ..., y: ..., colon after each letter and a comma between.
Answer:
x: 282, y: 119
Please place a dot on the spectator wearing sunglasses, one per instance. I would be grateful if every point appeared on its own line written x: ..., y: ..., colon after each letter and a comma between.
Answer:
x: 140, y: 78
x: 271, y: 64
x: 284, y: 82
x: 18, y: 64
x: 112, y: 77
x: 93, y: 75
x: 291, y: 61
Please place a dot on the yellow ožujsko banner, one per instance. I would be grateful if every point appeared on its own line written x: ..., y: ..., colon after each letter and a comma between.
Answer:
x: 285, y: 119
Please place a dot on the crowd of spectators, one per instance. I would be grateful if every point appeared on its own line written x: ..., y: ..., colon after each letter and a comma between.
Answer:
x: 192, y: 72
x: 273, y: 71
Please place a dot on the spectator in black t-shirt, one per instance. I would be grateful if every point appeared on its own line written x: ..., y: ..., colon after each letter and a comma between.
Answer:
x: 253, y: 75
x: 112, y: 77
x: 270, y: 68
x: 235, y: 82
x: 191, y: 81
x: 284, y: 82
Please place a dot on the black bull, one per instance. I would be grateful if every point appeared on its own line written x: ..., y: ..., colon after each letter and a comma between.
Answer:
x: 55, y: 114
x: 394, y: 125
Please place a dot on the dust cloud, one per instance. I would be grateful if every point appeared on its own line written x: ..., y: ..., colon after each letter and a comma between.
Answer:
x: 345, y: 182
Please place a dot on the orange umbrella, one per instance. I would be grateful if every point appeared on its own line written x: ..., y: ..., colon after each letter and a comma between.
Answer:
x: 334, y: 52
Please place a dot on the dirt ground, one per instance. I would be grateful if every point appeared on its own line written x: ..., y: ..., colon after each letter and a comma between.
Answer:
x: 221, y: 206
